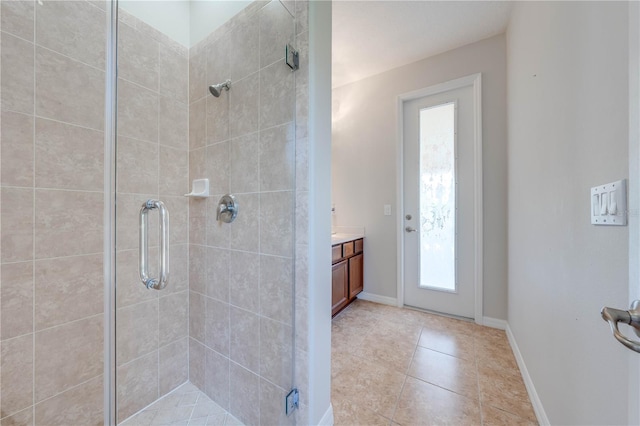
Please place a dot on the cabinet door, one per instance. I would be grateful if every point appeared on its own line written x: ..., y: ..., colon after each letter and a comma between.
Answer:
x: 340, y: 286
x: 356, y: 275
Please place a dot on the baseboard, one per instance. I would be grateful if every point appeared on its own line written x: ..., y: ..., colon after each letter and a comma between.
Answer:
x: 378, y: 299
x: 494, y: 323
x: 327, y: 419
x: 541, y: 415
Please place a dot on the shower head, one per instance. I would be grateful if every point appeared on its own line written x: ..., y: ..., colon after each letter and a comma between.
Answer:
x: 216, y: 89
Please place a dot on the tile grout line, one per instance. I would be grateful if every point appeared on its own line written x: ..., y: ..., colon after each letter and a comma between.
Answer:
x: 33, y: 236
x: 193, y: 409
x: 54, y: 120
x: 395, y: 408
x: 259, y: 221
x: 227, y: 99
x: 406, y: 376
x: 69, y: 389
x: 64, y: 55
x: 188, y: 360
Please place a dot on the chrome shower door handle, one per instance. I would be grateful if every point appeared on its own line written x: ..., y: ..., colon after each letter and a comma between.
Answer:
x: 631, y: 317
x: 149, y: 282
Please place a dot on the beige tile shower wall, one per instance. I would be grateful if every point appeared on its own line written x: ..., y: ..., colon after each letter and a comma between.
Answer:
x: 241, y: 274
x: 51, y: 195
x: 152, y: 162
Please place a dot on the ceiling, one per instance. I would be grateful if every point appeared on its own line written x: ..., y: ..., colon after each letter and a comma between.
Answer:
x: 370, y: 37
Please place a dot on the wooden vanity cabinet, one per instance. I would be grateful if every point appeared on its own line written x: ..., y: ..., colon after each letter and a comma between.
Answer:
x: 347, y: 278
x: 339, y: 286
x: 356, y: 272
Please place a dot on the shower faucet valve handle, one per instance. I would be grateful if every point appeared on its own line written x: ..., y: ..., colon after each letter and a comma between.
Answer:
x: 227, y: 209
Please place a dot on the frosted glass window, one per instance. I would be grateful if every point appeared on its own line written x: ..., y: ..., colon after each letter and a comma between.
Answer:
x: 438, y: 198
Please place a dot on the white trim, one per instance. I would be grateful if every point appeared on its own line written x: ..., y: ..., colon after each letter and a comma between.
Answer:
x: 400, y: 203
x: 319, y: 226
x: 633, y: 393
x: 327, y: 419
x: 385, y: 300
x: 494, y: 323
x: 474, y: 80
x: 541, y: 415
x: 478, y: 197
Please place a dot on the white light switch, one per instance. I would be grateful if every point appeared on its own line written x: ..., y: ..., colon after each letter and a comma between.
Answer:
x: 604, y: 203
x: 609, y: 204
x: 613, y: 203
x: 387, y: 209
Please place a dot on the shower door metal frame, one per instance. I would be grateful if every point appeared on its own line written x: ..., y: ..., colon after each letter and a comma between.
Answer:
x: 109, y: 246
x: 111, y: 86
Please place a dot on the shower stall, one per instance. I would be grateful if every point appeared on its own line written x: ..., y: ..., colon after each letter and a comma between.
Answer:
x: 126, y: 297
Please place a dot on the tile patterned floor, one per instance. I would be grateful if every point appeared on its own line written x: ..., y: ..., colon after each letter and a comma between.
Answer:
x: 185, y: 406
x: 394, y: 366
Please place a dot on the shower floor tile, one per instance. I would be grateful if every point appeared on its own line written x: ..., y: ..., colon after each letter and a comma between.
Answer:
x: 186, y: 406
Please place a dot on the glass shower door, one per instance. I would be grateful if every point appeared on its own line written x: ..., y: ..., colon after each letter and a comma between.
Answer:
x: 216, y: 343
x: 151, y: 332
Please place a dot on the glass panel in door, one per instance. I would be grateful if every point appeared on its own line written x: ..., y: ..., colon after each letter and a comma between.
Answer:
x: 438, y: 197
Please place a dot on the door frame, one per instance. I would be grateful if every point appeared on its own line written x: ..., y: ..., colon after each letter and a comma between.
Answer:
x: 474, y: 80
x: 633, y: 392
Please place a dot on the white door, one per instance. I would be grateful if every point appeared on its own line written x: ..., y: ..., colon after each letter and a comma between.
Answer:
x: 439, y: 178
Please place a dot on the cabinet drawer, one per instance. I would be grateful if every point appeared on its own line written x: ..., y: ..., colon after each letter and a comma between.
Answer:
x: 336, y: 253
x: 359, y: 246
x: 347, y: 249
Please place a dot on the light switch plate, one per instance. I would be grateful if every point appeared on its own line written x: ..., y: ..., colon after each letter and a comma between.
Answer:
x: 609, y: 204
x: 387, y: 209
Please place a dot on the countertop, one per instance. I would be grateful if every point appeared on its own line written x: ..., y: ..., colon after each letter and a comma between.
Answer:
x: 340, y: 238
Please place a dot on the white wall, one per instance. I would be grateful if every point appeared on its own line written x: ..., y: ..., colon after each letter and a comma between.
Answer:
x: 319, y: 291
x: 364, y: 165
x: 207, y: 15
x: 169, y: 17
x: 185, y: 21
x: 568, y: 130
